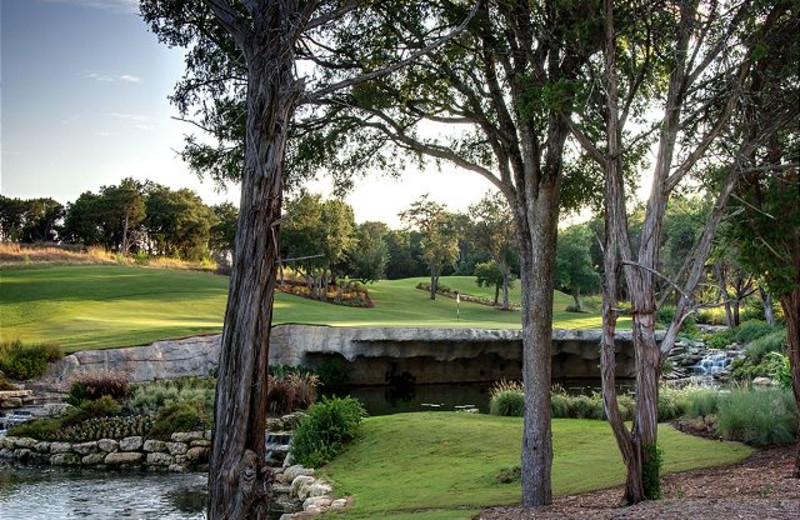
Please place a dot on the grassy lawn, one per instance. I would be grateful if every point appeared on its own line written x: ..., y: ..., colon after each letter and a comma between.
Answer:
x: 99, y: 306
x: 442, y: 466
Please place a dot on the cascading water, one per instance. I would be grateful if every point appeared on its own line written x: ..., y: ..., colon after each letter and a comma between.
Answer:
x: 713, y: 362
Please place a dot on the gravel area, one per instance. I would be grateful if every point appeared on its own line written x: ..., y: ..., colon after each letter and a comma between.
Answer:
x: 760, y: 488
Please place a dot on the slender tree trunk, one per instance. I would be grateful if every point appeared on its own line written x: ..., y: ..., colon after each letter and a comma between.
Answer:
x: 735, y: 306
x: 433, y: 283
x: 790, y: 302
x: 538, y: 273
x: 238, y: 477
x: 496, y: 294
x: 769, y: 312
x: 505, y: 291
x: 125, y: 244
x: 723, y: 291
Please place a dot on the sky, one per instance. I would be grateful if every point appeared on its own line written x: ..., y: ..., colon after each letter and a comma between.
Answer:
x: 83, y: 103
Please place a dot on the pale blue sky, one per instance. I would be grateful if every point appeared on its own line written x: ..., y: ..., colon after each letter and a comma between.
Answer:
x: 84, y: 103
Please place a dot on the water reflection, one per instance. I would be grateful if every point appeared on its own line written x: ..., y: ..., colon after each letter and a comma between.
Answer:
x: 39, y: 494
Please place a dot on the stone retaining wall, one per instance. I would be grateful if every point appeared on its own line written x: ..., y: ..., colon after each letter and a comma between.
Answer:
x: 185, y: 451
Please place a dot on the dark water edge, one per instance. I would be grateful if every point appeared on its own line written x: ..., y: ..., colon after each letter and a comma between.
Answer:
x: 61, y: 494
x: 388, y: 400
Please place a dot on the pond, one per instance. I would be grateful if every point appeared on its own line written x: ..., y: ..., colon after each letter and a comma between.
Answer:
x: 45, y: 494
x: 387, y: 400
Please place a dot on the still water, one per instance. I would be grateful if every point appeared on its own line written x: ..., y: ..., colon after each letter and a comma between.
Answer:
x: 52, y: 494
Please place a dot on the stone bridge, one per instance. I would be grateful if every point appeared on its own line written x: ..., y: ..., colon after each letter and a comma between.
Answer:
x: 374, y: 355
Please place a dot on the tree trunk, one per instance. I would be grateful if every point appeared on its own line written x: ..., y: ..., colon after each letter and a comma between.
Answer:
x: 496, y: 294
x: 505, y: 292
x: 790, y: 302
x: 125, y: 244
x: 238, y: 478
x: 576, y: 295
x: 434, y: 278
x: 735, y: 307
x: 723, y: 291
x: 769, y: 312
x: 537, y: 254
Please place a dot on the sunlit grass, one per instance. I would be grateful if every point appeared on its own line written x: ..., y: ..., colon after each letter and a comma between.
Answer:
x: 426, y: 466
x: 101, y: 306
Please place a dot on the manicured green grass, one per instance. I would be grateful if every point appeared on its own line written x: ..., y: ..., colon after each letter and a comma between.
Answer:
x: 442, y: 466
x: 100, y: 306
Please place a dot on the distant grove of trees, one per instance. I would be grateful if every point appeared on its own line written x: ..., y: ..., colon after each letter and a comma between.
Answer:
x: 131, y: 217
x: 321, y: 241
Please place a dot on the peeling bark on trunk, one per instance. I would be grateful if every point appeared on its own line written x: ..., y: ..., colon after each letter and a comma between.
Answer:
x: 239, y: 483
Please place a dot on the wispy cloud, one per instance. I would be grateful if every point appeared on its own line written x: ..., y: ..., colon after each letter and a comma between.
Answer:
x: 119, y: 6
x: 111, y: 78
x: 128, y: 117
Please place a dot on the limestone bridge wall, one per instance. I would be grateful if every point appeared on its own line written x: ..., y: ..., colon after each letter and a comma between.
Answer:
x: 374, y: 355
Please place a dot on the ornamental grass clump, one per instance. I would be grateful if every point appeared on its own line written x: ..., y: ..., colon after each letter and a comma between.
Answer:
x: 507, y: 398
x: 758, y: 417
x: 326, y: 428
x: 91, y: 386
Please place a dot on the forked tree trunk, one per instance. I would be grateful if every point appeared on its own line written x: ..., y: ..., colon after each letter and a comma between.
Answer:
x: 790, y: 302
x: 239, y: 479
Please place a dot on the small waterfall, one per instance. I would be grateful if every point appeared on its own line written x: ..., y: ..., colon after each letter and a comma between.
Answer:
x: 712, y: 363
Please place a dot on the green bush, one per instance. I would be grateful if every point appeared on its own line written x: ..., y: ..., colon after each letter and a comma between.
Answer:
x: 54, y: 430
x: 26, y: 362
x: 783, y: 371
x: 721, y: 339
x: 180, y: 417
x: 326, y: 427
x: 104, y: 407
x: 758, y: 417
x: 752, y: 330
x: 5, y: 384
x: 759, y: 348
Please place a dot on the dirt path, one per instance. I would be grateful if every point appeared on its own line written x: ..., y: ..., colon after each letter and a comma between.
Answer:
x: 756, y: 489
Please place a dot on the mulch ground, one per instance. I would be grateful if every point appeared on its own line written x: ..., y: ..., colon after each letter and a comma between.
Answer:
x: 759, y: 488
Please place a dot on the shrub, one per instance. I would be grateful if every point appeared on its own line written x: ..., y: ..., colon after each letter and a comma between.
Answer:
x: 26, y: 362
x: 94, y: 385
x: 720, y: 340
x: 758, y: 417
x: 672, y: 402
x: 560, y: 403
x: 327, y: 426
x: 783, y: 371
x: 180, y: 417
x: 507, y: 398
x: 5, y: 384
x: 772, y: 341
x: 752, y: 330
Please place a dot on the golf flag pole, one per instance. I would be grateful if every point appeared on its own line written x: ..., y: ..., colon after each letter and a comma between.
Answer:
x: 458, y: 307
